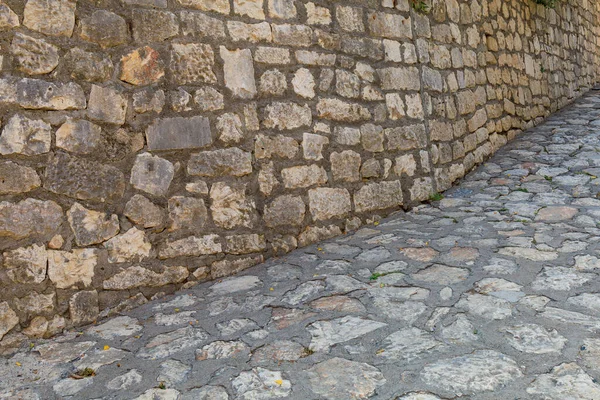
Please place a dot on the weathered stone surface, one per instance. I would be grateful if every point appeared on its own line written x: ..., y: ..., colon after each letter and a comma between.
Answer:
x: 15, y: 178
x: 79, y: 136
x: 167, y: 344
x: 34, y: 56
x: 83, y: 307
x: 179, y: 133
x: 231, y: 207
x: 441, y: 275
x: 142, y: 66
x: 408, y: 344
x: 327, y: 203
x: 8, y: 18
x: 536, y: 339
x: 377, y: 196
x: 304, y: 83
x: 559, y: 278
x: 8, y: 319
x: 187, y: 213
x: 220, y: 6
x: 88, y: 66
x: 22, y: 135
x: 105, y: 29
x: 483, y: 370
x: 26, y: 264
x: 191, y: 246
x: 285, y: 210
x: 129, y: 246
x: 117, y: 327
x: 312, y: 146
x: 91, y: 227
x: 135, y: 277
x: 153, y: 25
x: 564, y: 382
x: 231, y: 161
x: 192, y: 63
x: 285, y: 116
x: 108, y: 105
x: 152, y: 174
x: 41, y: 95
x: 209, y: 99
x: 328, y: 333
x: 220, y: 349
x: 280, y: 146
x: 83, y: 179
x: 292, y: 35
x: 303, y: 176
x: 29, y: 218
x: 338, y: 110
x: 55, y: 18
x: 261, y: 383
x: 66, y: 269
x: 244, y: 244
x: 273, y: 83
x: 341, y: 379
x: 149, y: 100
x: 201, y: 25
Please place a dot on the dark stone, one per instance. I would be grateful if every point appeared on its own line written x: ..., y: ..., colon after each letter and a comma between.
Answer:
x: 86, y: 66
x: 105, y: 28
x: 179, y: 133
x: 83, y: 179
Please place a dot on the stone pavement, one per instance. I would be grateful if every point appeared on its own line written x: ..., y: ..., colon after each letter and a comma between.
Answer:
x: 490, y: 293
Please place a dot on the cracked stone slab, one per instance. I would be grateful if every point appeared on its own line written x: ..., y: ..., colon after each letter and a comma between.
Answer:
x: 328, y: 333
x: 535, y: 339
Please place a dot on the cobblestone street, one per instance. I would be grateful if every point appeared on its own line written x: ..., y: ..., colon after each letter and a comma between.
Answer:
x: 489, y: 293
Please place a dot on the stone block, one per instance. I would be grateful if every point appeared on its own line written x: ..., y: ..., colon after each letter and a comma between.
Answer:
x: 254, y: 33
x: 104, y: 28
x: 303, y: 176
x: 79, y: 136
x: 26, y: 264
x: 238, y: 69
x: 107, y: 104
x: 135, y: 277
x: 220, y: 6
x: 378, y: 196
x: 142, y: 66
x: 33, y: 56
x: 231, y: 161
x: 88, y: 66
x: 152, y: 174
x: 231, y: 207
x: 312, y: 145
x: 279, y: 146
x: 250, y: 8
x: 36, y: 94
x: 191, y: 246
x: 393, y: 26
x: 187, y: 213
x: 22, y: 135
x: 285, y: 210
x: 285, y: 116
x: 15, y: 178
x: 245, y: 244
x: 192, y: 63
x: 128, y: 247
x: 179, y: 133
x: 328, y: 203
x: 153, y: 25
x: 30, y: 218
x: 91, y: 227
x: 282, y: 9
x: 67, y: 269
x: 345, y: 166
x: 50, y: 17
x: 341, y: 111
x: 83, y: 307
x: 83, y: 179
x: 292, y: 35
x: 142, y: 211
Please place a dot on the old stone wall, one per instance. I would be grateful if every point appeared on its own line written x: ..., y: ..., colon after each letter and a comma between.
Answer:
x: 150, y: 144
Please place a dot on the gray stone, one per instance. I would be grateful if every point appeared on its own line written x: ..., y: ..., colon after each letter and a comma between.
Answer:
x: 88, y: 66
x: 408, y: 344
x: 79, y: 136
x: 91, y: 227
x: 83, y: 179
x: 560, y: 278
x: 125, y: 381
x: 260, y: 383
x: 8, y: 319
x: 55, y: 18
x: 328, y: 333
x: 220, y: 349
x: 8, y: 18
x: 173, y: 372
x: 107, y: 104
x: 116, y: 327
x: 566, y: 381
x: 152, y: 174
x: 200, y: 25
x: 377, y: 196
x: 341, y: 379
x: 22, y: 135
x: 153, y: 25
x: 179, y: 133
x: 303, y: 176
x: 29, y: 218
x: 191, y: 246
x: 37, y: 94
x: 105, y: 29
x: 166, y: 344
x: 239, y: 72
x: 26, y: 264
x: 285, y: 116
x: 83, y: 307
x: 231, y: 161
x: 483, y: 370
x: 536, y: 339
x: 15, y: 178
x: 33, y: 56
x: 206, y: 393
x: 284, y: 211
x: 142, y: 211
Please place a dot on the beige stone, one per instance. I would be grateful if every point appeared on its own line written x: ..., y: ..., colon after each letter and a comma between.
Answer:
x: 345, y: 166
x: 91, y: 227
x: 25, y: 136
x: 285, y: 211
x: 50, y: 17
x: 79, y: 136
x: 244, y: 244
x: 26, y: 264
x: 191, y: 246
x: 220, y: 6
x: 34, y: 56
x: 327, y: 203
x: 317, y: 15
x: 303, y: 176
x: 8, y: 18
x: 67, y: 269
x: 15, y: 178
x: 230, y: 207
x: 279, y: 146
x: 107, y: 104
x: 8, y: 319
x: 239, y: 72
x: 129, y: 246
x: 282, y: 9
x: 192, y: 63
x: 312, y: 146
x: 134, y: 277
x: 285, y: 116
x: 250, y: 8
x: 378, y: 196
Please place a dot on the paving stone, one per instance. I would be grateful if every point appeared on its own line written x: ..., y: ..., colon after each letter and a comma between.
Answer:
x: 565, y: 381
x: 338, y: 379
x: 125, y: 381
x: 559, y: 278
x: 166, y: 344
x: 486, y: 306
x: 441, y: 275
x: 531, y: 338
x: 408, y: 344
x: 116, y: 327
x: 328, y: 333
x: 261, y: 383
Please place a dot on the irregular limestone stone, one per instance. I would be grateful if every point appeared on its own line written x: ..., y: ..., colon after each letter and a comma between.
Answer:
x: 378, y: 196
x: 66, y: 269
x: 149, y: 100
x: 261, y: 383
x: 22, y: 135
x: 292, y: 35
x: 303, y: 176
x: 230, y: 128
x: 280, y: 146
x: 313, y: 234
x: 244, y: 244
x: 231, y: 161
x: 79, y: 136
x: 167, y: 344
x: 328, y: 333
x: 312, y: 146
x: 285, y: 210
x: 483, y: 370
x: 231, y: 207
x: 142, y: 66
x: 529, y: 254
x: 192, y: 63
x: 26, y: 264
x: 273, y: 83
x: 206, y: 393
x: 532, y: 338
x: 209, y: 99
x: 135, y: 277
x: 37, y: 94
x: 107, y: 105
x: 91, y: 227
x: 88, y: 66
x: 159, y: 394
x: 338, y: 110
x: 8, y: 18
x: 179, y: 133
x: 15, y: 178
x: 83, y: 307
x: 345, y: 166
x: 105, y: 29
x: 338, y: 303
x: 560, y: 278
x: 55, y: 18
x: 34, y: 56
x: 173, y: 372
x: 250, y: 8
x: 152, y: 174
x: 187, y: 213
x: 83, y: 179
x: 267, y: 181
x: 285, y: 116
x: 327, y: 203
x: 220, y: 6
x: 341, y: 379
x: 201, y: 25
x: 191, y: 246
x: 153, y: 25
x: 221, y: 349
x: 556, y: 214
x: 441, y: 275
x: 304, y: 83
x: 220, y: 269
x: 408, y: 344
x: 30, y: 218
x: 278, y: 351
x: 125, y: 381
x: 129, y: 246
x: 488, y: 307
x: 566, y: 381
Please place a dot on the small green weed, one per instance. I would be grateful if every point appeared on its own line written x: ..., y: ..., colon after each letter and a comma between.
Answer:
x: 436, y: 197
x: 420, y: 6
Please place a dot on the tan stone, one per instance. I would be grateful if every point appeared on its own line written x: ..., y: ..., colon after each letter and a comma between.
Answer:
x: 92, y: 227
x: 192, y: 63
x: 345, y: 166
x: 8, y: 319
x: 134, y: 277
x: 244, y: 244
x: 129, y: 246
x: 26, y: 264
x: 250, y: 8
x: 378, y: 196
x: 67, y: 269
x: 142, y: 66
x: 25, y: 136
x: 285, y: 211
x: 239, y: 72
x: 220, y: 6
x: 303, y: 176
x: 230, y: 207
x: 108, y: 105
x: 15, y: 178
x: 50, y: 17
x: 34, y: 56
x: 327, y: 203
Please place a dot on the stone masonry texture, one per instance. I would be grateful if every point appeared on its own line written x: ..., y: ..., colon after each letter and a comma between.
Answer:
x: 150, y: 145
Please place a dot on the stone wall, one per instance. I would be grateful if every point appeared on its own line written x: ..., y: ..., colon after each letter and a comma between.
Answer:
x: 151, y: 144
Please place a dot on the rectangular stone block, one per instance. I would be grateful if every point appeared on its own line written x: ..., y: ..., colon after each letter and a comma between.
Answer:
x: 378, y: 196
x: 179, y: 133
x: 232, y: 161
